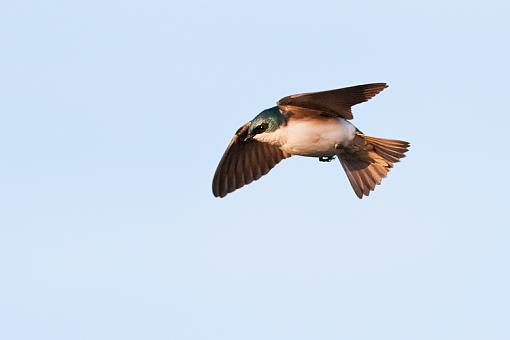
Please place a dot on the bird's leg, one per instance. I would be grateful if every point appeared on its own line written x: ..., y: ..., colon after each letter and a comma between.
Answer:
x: 326, y: 158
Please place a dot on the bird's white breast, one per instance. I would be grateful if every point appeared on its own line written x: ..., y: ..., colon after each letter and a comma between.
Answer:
x: 314, y: 137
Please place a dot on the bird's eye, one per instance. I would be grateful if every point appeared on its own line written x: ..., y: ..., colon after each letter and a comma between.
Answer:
x: 261, y: 128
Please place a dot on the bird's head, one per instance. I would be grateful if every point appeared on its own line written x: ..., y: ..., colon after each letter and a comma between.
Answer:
x: 265, y: 122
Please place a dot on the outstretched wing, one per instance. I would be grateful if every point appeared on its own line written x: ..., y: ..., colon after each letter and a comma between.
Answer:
x: 244, y: 162
x: 333, y: 102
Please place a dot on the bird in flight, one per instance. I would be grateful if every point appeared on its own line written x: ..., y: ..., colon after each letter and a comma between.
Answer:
x: 311, y: 125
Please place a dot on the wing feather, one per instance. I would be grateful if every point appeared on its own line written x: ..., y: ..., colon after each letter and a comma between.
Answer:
x: 244, y: 162
x: 333, y: 102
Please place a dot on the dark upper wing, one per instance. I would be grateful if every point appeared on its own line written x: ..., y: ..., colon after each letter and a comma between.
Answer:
x: 333, y: 102
x: 244, y: 162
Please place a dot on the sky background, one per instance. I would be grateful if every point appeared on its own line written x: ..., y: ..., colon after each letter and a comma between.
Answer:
x: 114, y: 114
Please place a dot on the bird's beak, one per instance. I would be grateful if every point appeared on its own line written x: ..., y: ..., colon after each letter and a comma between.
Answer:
x: 248, y: 137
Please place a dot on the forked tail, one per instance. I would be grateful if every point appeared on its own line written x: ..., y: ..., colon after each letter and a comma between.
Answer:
x: 369, y: 159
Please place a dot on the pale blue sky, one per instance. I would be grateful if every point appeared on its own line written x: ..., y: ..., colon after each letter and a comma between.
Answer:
x: 114, y: 115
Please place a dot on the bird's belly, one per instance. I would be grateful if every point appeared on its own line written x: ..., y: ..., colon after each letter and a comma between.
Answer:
x: 317, y: 137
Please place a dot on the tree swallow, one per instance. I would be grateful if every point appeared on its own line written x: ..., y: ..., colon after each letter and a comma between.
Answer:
x: 312, y: 125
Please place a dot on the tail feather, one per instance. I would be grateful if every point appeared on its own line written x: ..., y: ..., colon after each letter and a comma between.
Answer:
x: 369, y: 159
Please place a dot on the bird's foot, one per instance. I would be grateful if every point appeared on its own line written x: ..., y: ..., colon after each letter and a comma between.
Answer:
x: 326, y: 158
